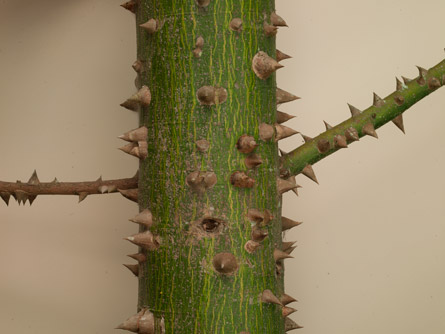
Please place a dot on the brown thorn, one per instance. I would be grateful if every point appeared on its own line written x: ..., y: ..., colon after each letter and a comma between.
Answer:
x: 268, y: 297
x: 354, y: 110
x: 286, y: 299
x: 287, y: 223
x: 369, y: 130
x: 351, y: 134
x: 146, y: 240
x: 277, y: 20
x: 308, y: 171
x: 422, y: 75
x: 284, y: 97
x: 283, y: 117
x: 406, y: 80
x: 140, y: 257
x: 282, y: 56
x: 263, y: 65
x: 134, y: 268
x: 130, y: 5
x: 290, y: 325
x: 398, y: 121
x: 283, y: 132
x: 340, y: 141
x: 5, y: 196
x: 377, y: 101
x: 306, y: 138
x: 399, y: 84
x: 145, y: 218
x: 327, y: 125
x: 279, y: 255
x: 131, y: 194
x: 286, y: 311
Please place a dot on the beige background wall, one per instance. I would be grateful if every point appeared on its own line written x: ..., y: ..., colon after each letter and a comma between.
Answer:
x: 370, y: 255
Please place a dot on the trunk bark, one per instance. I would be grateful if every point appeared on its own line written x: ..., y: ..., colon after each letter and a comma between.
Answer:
x: 212, y: 262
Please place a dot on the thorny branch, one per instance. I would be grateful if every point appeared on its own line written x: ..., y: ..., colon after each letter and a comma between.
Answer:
x: 28, y: 191
x: 363, y: 123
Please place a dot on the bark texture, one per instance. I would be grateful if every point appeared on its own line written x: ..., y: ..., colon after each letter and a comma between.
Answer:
x: 216, y: 222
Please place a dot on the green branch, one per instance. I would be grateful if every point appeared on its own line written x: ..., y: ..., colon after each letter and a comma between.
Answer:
x: 363, y: 123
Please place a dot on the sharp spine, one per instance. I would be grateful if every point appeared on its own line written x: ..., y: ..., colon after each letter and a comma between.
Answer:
x: 306, y: 138
x: 284, y: 97
x: 283, y: 132
x: 287, y: 224
x: 268, y: 297
x: 82, y: 196
x: 422, y: 75
x: 141, y: 98
x: 263, y: 65
x: 308, y: 171
x: 290, y: 325
x: 277, y: 20
x: 131, y: 194
x: 406, y: 80
x: 377, y: 101
x: 399, y: 85
x: 369, y: 130
x: 140, y: 257
x: 282, y: 56
x: 398, y: 121
x: 5, y: 196
x: 145, y: 218
x: 285, y: 185
x: 279, y: 255
x: 34, y: 179
x: 327, y: 125
x: 354, y: 111
x: 134, y: 268
x: 146, y: 240
x: 283, y: 117
x: 130, y: 5
x: 135, y: 135
x: 286, y: 299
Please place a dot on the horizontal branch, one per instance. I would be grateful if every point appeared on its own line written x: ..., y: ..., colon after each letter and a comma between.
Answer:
x: 28, y: 191
x: 363, y: 123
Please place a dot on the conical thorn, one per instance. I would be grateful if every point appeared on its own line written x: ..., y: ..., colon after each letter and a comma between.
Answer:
x: 398, y: 121
x: 308, y: 171
x: 134, y: 268
x: 377, y: 101
x: 268, y: 297
x: 354, y: 111
x: 287, y: 224
x: 369, y: 130
x: 282, y: 56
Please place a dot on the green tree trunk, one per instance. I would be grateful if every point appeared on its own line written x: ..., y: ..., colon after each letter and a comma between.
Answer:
x: 210, y: 257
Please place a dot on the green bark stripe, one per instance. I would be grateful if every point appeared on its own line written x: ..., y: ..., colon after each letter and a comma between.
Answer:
x: 178, y: 282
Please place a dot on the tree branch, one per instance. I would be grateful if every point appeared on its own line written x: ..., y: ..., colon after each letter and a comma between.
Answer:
x: 363, y: 123
x: 28, y: 191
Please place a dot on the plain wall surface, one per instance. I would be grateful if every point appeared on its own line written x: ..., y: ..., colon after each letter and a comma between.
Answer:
x: 370, y: 256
